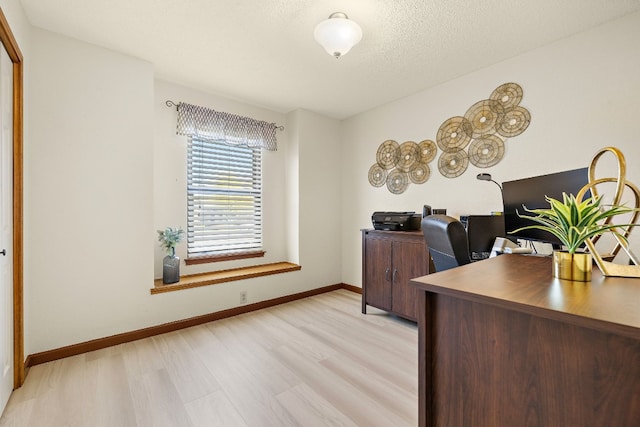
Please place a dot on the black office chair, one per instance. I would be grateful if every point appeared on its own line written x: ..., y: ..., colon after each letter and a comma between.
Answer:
x: 447, y: 241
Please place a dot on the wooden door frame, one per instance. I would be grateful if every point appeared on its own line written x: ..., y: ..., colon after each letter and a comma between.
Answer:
x: 11, y: 46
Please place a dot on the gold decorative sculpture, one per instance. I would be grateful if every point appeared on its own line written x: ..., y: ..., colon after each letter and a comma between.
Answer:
x: 607, y: 267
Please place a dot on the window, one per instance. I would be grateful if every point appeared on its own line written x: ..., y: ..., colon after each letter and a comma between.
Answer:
x: 224, y: 181
x: 224, y: 196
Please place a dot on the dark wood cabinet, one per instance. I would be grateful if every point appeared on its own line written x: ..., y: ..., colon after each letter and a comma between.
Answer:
x: 390, y: 259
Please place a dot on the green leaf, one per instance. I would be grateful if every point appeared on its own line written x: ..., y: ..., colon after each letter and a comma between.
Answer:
x: 170, y: 237
x: 573, y: 221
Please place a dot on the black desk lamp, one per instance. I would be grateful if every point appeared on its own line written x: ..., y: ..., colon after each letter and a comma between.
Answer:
x: 487, y: 177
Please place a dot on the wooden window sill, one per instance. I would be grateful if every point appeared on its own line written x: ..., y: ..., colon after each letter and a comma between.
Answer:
x: 226, y: 257
x: 222, y: 276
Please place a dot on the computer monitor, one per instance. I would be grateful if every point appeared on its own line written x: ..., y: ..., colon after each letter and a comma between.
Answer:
x: 482, y: 231
x: 531, y: 193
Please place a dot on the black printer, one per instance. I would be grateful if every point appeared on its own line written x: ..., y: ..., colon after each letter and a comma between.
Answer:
x: 396, y: 221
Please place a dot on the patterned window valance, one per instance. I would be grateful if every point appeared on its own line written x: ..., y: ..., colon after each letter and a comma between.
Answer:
x: 207, y: 124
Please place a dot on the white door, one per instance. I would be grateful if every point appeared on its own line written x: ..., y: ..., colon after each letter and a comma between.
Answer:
x: 6, y: 228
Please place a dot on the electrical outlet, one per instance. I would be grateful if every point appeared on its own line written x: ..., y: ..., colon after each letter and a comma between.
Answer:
x: 243, y: 297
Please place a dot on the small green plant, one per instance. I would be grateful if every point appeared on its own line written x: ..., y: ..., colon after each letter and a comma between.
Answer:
x: 169, y: 238
x: 573, y: 221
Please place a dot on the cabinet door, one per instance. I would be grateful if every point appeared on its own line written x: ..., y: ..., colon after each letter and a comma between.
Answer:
x: 377, y: 272
x: 410, y: 260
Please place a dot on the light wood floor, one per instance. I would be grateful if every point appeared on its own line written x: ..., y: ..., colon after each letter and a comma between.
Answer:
x: 312, y: 362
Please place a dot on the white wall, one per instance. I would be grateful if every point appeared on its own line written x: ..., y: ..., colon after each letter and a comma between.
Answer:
x: 89, y: 191
x: 106, y: 170
x: 292, y: 188
x: 583, y: 94
x: 319, y: 205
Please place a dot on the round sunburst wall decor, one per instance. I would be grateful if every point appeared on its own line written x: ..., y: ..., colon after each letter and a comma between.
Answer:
x: 514, y: 122
x: 508, y: 95
x: 420, y: 174
x: 428, y: 151
x: 454, y: 134
x: 453, y: 164
x: 409, y: 156
x: 397, y: 182
x: 388, y: 154
x: 484, y: 116
x: 399, y: 164
x: 377, y: 175
x: 486, y: 151
x: 478, y: 137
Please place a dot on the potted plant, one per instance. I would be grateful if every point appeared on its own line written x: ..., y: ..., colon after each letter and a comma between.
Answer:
x: 573, y: 222
x: 169, y: 238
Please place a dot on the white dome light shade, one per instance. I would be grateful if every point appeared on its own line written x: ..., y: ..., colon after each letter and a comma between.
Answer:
x: 338, y: 34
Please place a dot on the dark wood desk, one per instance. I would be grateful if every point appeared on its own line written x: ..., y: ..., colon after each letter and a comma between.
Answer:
x: 503, y: 343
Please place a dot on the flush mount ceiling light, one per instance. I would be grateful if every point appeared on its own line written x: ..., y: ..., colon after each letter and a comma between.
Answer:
x: 338, y: 34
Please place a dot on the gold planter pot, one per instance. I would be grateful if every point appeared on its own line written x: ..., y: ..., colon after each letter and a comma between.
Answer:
x: 572, y: 266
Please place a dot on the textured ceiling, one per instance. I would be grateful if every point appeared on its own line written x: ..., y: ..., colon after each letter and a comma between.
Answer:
x: 263, y: 52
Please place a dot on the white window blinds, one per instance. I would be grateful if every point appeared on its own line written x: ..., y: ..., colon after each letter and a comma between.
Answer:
x: 224, y: 179
x: 224, y: 198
